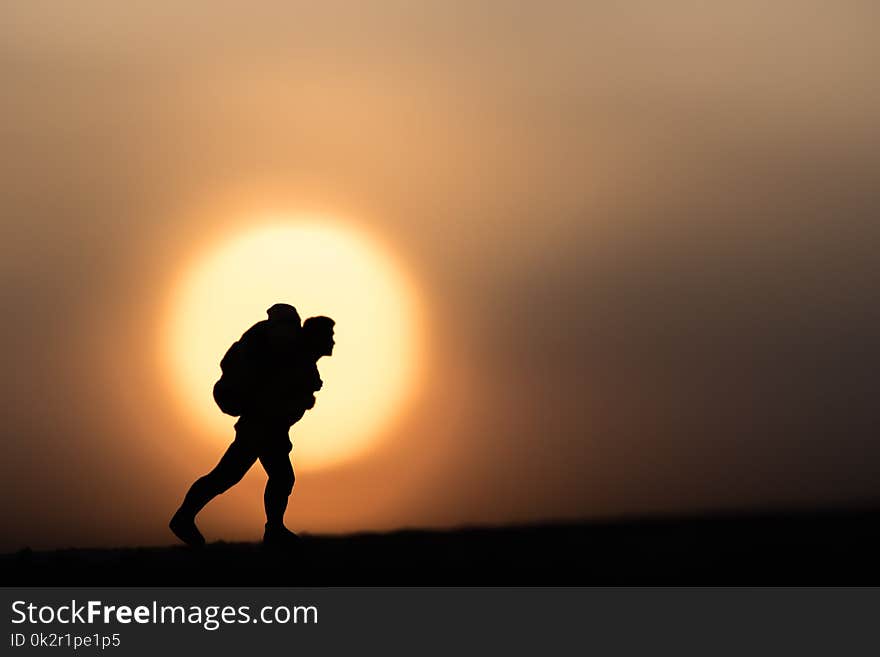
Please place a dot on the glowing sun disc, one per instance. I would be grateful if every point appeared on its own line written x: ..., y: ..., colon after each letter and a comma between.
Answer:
x: 321, y: 268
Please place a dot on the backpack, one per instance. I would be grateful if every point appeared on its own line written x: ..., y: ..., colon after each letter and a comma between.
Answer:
x: 247, y: 365
x: 230, y: 391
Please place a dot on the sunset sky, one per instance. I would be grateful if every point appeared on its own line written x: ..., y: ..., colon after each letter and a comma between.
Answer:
x: 635, y: 244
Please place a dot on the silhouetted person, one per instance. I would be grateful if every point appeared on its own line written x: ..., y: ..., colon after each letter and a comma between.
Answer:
x: 282, y: 377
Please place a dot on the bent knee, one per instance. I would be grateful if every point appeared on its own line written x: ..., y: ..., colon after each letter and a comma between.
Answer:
x: 220, y: 481
x: 230, y: 480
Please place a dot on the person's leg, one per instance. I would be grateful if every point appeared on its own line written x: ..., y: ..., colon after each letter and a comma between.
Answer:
x: 276, y: 462
x: 233, y: 465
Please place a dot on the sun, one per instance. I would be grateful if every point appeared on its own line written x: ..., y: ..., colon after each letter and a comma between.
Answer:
x: 322, y: 267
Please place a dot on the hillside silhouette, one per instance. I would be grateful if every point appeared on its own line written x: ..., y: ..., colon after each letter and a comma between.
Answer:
x: 820, y: 547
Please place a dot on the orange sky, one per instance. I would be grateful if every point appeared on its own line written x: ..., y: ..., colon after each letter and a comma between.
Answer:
x: 643, y: 235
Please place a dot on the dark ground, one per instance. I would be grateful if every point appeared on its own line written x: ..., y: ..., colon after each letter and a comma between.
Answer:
x: 828, y: 547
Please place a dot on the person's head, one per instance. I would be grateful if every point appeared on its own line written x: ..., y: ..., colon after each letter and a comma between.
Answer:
x: 318, y: 335
x: 284, y: 313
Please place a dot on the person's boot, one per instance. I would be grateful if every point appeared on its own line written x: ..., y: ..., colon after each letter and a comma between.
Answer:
x: 184, y: 527
x: 279, y: 536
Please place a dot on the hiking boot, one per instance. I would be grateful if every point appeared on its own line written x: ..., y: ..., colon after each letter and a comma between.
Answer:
x: 184, y: 527
x: 280, y: 537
